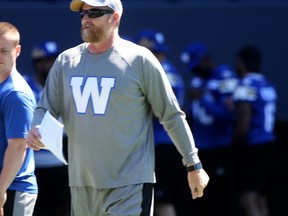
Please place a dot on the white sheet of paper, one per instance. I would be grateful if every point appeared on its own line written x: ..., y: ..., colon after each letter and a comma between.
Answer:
x: 51, y: 132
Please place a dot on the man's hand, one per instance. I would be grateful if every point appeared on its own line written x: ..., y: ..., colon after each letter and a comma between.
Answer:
x: 198, y: 180
x: 34, y: 139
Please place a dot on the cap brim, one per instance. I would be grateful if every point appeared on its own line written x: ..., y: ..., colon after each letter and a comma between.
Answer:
x: 76, y: 5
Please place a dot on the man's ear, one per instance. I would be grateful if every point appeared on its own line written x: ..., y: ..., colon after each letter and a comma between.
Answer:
x: 18, y: 50
x: 114, y: 18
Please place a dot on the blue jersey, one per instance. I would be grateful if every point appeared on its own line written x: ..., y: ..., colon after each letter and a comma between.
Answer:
x: 17, y: 104
x: 262, y: 96
x: 211, y: 118
x: 35, y: 86
x: 176, y: 81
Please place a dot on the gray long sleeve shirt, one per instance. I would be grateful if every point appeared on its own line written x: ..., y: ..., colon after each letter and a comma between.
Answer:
x: 106, y: 103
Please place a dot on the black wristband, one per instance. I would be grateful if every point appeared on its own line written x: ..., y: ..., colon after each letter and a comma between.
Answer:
x: 196, y: 166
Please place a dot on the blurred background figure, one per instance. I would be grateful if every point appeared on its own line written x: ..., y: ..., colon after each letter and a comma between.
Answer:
x: 254, y: 139
x: 52, y: 174
x: 211, y: 119
x: 43, y: 56
x: 172, y: 195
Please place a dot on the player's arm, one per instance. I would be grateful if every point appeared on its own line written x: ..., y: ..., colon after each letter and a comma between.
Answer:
x: 13, y: 160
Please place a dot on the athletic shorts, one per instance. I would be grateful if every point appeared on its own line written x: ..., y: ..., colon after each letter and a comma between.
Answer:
x: 132, y: 200
x: 19, y: 203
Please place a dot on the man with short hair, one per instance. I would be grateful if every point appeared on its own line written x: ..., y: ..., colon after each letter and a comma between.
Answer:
x: 254, y: 138
x: 18, y: 185
x: 211, y: 117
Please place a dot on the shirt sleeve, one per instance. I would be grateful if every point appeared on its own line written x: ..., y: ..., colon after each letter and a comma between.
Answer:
x: 18, y: 115
x: 166, y: 107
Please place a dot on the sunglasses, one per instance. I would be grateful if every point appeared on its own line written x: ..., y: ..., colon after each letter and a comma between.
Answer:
x: 94, y: 13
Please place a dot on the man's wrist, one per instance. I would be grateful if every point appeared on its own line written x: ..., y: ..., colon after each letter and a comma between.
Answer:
x: 194, y: 167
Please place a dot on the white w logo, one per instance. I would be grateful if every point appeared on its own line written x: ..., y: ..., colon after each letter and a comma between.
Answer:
x: 90, y: 90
